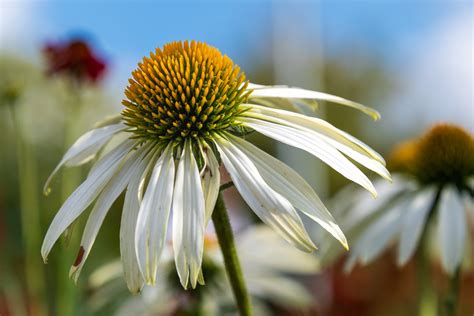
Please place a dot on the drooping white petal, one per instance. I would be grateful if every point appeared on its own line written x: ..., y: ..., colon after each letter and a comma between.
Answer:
x: 253, y: 86
x: 377, y: 236
x: 413, y: 223
x: 317, y: 147
x: 85, y: 148
x: 110, y: 193
x: 131, y: 206
x: 271, y: 207
x: 300, y: 105
x: 109, y: 120
x: 451, y: 229
x: 292, y: 186
x: 83, y: 196
x: 298, y: 93
x: 312, y: 123
x: 210, y: 183
x: 153, y: 217
x: 188, y: 219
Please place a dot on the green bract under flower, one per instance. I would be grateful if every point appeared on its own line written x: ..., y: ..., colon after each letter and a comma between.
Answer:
x: 184, y: 90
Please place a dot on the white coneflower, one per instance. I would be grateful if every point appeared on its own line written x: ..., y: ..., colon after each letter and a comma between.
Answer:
x: 186, y: 111
x: 433, y: 178
x: 267, y: 270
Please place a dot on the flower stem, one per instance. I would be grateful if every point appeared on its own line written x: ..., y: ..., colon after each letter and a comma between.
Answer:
x: 427, y: 302
x: 68, y: 292
x: 451, y: 300
x: 231, y: 260
x: 30, y: 215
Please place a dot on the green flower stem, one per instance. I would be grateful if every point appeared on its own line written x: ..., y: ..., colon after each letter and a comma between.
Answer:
x: 451, y: 300
x: 231, y: 260
x: 67, y: 291
x: 427, y: 301
x: 29, y: 215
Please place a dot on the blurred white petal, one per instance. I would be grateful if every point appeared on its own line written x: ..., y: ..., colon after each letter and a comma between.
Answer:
x: 377, y: 237
x: 451, y: 229
x: 413, y: 224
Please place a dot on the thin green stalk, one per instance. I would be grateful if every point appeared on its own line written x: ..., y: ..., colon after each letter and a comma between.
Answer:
x: 427, y: 301
x: 451, y: 300
x: 30, y: 216
x: 67, y: 291
x: 231, y: 260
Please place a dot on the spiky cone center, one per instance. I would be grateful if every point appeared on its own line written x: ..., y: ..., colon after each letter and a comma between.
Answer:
x: 184, y: 90
x: 445, y: 154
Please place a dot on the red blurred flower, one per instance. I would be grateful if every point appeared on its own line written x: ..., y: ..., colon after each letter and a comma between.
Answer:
x: 74, y: 58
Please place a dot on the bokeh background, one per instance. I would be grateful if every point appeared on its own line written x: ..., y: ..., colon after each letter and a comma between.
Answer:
x: 411, y: 60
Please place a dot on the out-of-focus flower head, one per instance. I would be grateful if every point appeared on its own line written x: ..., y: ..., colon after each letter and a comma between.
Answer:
x: 433, y: 183
x: 10, y: 92
x: 75, y: 59
x: 15, y: 75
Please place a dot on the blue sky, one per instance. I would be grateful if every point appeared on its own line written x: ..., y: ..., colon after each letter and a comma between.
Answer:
x: 129, y: 29
x: 409, y: 35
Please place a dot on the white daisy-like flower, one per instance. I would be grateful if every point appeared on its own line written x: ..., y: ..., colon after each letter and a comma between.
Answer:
x: 186, y: 111
x: 433, y: 182
x: 267, y: 271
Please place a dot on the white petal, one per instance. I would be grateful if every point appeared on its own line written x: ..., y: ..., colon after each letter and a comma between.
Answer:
x: 299, y: 105
x: 312, y: 123
x: 83, y: 196
x: 292, y: 186
x: 413, y: 223
x: 210, y: 183
x: 280, y: 290
x: 317, y: 147
x: 153, y: 217
x: 253, y: 86
x: 85, y: 148
x: 110, y: 193
x: 365, y: 207
x: 275, y: 256
x: 451, y: 229
x: 287, y: 92
x: 378, y: 235
x: 271, y: 207
x: 131, y: 206
x: 188, y: 219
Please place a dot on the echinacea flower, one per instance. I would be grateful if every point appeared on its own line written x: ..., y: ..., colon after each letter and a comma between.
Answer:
x: 269, y: 273
x: 433, y: 183
x: 75, y: 59
x: 187, y: 110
